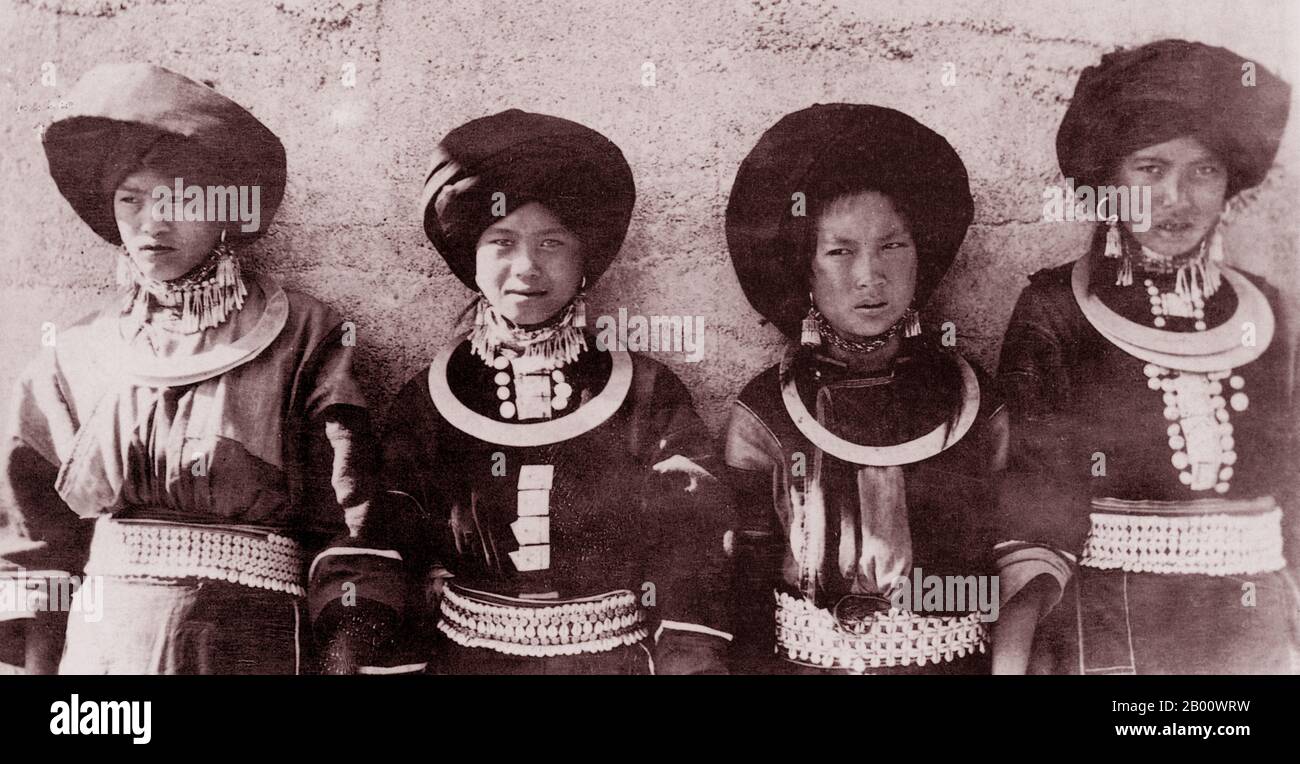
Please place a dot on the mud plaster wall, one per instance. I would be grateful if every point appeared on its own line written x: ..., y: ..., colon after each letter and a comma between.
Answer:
x: 347, y: 232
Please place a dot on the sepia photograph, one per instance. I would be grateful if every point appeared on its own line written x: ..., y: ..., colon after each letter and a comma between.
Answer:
x: 571, y: 338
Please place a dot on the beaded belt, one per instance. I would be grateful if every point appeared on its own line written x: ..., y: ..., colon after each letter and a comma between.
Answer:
x: 156, y: 549
x: 1213, y: 537
x: 814, y: 636
x: 535, y: 629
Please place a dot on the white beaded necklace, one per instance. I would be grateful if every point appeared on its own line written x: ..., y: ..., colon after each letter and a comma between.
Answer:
x: 1200, y: 433
x: 535, y: 358
x: 1197, y: 279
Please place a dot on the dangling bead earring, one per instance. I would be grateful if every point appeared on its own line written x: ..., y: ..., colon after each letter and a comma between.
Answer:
x: 912, y: 326
x: 1115, y: 248
x: 207, y: 304
x: 479, y: 341
x: 809, y: 335
x: 227, y: 266
x: 1125, y: 275
x: 580, y: 306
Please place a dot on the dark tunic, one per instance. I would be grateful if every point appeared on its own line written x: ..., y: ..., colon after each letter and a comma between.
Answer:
x: 950, y: 497
x: 616, y: 521
x: 1077, y: 399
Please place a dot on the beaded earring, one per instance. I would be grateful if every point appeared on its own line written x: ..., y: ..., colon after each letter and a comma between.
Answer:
x: 202, y: 300
x: 580, y: 306
x: 1115, y: 249
x: 912, y: 326
x: 810, y: 335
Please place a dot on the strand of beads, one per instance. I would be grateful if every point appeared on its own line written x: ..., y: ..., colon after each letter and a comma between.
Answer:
x: 1200, y: 430
x: 561, y: 392
x: 538, y: 390
x: 1172, y: 304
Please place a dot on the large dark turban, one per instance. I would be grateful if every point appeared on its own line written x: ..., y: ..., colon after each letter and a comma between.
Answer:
x: 829, y: 150
x: 122, y: 113
x: 1170, y: 89
x: 576, y: 172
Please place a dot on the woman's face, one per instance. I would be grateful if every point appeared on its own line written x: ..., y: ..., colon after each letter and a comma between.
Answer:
x: 161, y: 249
x: 1188, y: 186
x: 528, y: 265
x: 864, y: 267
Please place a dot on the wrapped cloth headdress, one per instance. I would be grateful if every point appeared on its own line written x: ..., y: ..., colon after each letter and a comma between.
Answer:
x: 820, y: 152
x: 124, y: 115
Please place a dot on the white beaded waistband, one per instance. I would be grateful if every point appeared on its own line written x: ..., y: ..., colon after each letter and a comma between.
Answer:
x: 814, y: 636
x: 155, y: 549
x: 1224, y: 538
x: 528, y: 628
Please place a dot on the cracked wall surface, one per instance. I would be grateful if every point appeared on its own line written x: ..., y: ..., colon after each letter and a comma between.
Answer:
x: 348, y: 234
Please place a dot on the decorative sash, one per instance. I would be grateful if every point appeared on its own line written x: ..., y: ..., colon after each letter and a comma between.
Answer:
x: 538, y: 629
x: 236, y: 554
x: 813, y: 636
x: 1212, y: 537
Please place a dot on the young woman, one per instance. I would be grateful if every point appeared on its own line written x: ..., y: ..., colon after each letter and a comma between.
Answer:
x: 1149, y: 386
x: 173, y: 450
x: 866, y: 459
x: 564, y: 519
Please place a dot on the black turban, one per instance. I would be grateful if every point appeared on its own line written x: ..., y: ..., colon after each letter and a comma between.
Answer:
x: 122, y: 113
x: 1166, y: 90
x: 825, y: 151
x: 576, y: 172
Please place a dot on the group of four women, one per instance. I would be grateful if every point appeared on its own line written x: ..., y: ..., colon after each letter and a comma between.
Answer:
x: 539, y: 504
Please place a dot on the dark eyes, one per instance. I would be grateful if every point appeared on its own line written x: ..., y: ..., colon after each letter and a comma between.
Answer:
x: 842, y: 251
x: 1204, y: 170
x: 545, y: 243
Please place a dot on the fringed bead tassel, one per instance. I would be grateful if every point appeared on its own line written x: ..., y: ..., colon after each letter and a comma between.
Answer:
x: 208, y: 303
x: 561, y: 343
x: 203, y: 300
x: 810, y: 335
x: 580, y: 311
x: 1115, y: 249
x: 1113, y: 245
x: 913, y: 326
